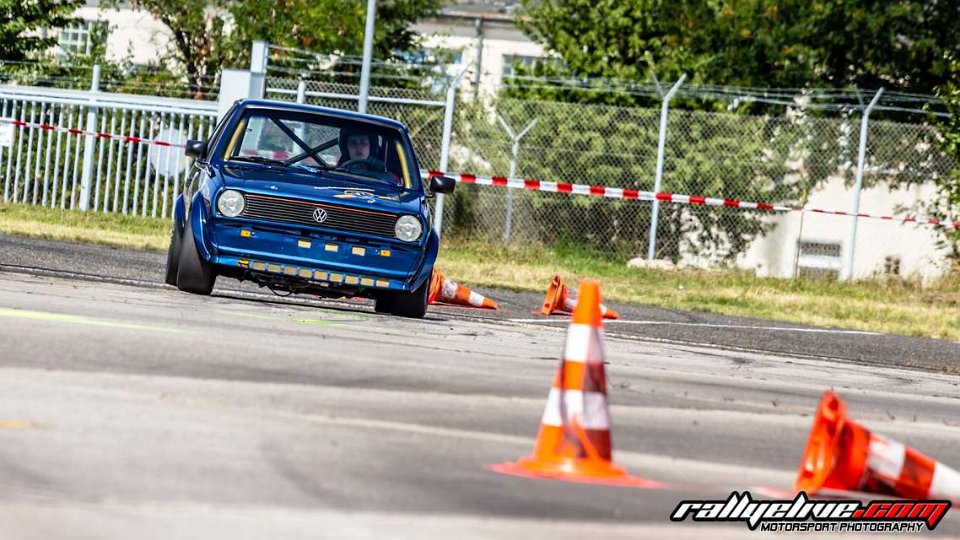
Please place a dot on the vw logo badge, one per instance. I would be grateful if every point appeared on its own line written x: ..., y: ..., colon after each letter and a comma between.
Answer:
x: 319, y: 215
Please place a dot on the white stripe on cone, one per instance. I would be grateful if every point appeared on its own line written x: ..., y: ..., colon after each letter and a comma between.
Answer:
x: 945, y: 484
x: 584, y: 344
x: 885, y: 457
x: 476, y: 299
x: 449, y: 289
x: 589, y: 408
x: 570, y: 302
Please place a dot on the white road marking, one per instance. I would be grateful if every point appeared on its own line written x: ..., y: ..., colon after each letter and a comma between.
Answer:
x: 661, y: 468
x: 708, y: 325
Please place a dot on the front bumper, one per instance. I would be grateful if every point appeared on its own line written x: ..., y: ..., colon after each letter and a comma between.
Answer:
x: 323, y: 260
x: 322, y: 278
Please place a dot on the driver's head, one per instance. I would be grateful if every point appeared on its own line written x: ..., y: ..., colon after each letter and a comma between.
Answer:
x: 358, y: 146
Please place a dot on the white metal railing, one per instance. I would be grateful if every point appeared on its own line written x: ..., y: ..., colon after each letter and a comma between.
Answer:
x: 100, y: 165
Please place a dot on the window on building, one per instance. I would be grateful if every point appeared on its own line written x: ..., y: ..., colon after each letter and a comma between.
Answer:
x: 891, y: 265
x: 81, y: 37
x: 511, y: 61
x: 434, y: 56
x: 818, y: 259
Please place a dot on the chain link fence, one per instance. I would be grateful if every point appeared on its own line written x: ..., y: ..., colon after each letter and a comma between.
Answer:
x: 793, y: 156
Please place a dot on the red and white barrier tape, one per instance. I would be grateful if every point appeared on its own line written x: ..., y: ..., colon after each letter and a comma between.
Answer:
x: 97, y: 134
x: 635, y: 194
x: 551, y: 187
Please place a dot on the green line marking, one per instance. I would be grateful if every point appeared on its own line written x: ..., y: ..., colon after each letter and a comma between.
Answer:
x: 81, y: 319
x: 288, y: 318
x: 317, y: 321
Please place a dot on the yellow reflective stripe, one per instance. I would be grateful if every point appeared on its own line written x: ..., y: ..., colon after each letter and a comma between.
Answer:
x: 403, y: 165
x: 241, y: 127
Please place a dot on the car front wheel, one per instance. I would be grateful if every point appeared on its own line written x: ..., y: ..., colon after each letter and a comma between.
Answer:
x: 407, y: 304
x: 173, y: 255
x: 194, y: 274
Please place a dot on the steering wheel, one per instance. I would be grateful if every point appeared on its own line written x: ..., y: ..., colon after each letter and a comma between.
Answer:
x: 370, y: 163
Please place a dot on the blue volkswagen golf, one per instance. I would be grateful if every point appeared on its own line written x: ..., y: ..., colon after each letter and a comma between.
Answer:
x: 304, y: 199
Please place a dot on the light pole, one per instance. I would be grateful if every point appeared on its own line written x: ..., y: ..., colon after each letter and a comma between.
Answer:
x: 367, y: 56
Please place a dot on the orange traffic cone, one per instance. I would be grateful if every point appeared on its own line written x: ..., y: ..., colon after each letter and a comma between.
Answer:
x: 436, y: 283
x: 442, y: 289
x: 564, y: 299
x: 842, y: 454
x: 574, y: 440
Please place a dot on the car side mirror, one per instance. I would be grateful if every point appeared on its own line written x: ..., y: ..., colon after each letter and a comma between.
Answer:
x: 442, y: 184
x: 196, y: 149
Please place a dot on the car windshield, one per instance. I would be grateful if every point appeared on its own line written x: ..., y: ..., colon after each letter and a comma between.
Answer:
x: 366, y: 153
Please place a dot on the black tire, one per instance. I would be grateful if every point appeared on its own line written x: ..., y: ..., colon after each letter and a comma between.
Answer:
x: 173, y: 255
x: 383, y: 303
x: 412, y: 304
x: 194, y: 274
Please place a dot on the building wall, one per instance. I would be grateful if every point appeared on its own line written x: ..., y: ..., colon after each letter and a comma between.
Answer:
x: 485, y: 65
x: 133, y: 34
x: 915, y: 246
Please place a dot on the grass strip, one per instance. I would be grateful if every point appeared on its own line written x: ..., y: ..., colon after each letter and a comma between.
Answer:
x: 108, y: 229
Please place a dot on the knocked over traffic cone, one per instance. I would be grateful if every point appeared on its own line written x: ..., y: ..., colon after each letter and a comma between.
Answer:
x: 842, y: 454
x: 442, y: 289
x: 564, y: 299
x: 574, y: 439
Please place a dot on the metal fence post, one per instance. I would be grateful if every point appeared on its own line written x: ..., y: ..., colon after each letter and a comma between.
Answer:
x: 258, y: 57
x: 515, y: 151
x: 301, y: 91
x: 861, y: 158
x: 367, y: 56
x: 661, y: 149
x: 86, y: 178
x: 445, y: 144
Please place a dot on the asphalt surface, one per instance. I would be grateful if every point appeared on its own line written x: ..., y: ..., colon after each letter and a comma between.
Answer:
x: 131, y: 410
x: 637, y: 321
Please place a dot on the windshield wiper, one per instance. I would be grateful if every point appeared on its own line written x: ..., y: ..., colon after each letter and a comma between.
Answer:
x: 261, y: 160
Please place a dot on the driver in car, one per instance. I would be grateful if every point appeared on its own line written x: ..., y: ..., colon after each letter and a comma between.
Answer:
x: 358, y: 151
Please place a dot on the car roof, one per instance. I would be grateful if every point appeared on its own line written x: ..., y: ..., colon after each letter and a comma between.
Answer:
x: 338, y: 113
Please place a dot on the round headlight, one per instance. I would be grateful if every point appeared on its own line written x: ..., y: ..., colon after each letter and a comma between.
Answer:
x: 408, y: 228
x: 231, y: 203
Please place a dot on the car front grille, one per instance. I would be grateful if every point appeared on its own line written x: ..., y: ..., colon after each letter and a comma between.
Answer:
x: 301, y: 212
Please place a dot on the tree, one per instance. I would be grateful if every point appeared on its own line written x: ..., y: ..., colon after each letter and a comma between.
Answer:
x: 198, y: 37
x: 766, y: 43
x: 329, y: 26
x: 213, y: 34
x: 949, y: 187
x: 22, y: 23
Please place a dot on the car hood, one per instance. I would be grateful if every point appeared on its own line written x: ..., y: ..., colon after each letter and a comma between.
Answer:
x: 344, y: 190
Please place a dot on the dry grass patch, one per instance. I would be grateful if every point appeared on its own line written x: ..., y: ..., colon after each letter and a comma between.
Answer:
x: 888, y: 305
